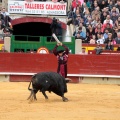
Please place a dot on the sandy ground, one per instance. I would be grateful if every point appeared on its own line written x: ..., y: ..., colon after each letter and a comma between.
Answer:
x: 86, y: 102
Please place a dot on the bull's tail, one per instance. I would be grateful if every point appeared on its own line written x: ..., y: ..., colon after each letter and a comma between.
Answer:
x: 30, y: 83
x: 32, y: 92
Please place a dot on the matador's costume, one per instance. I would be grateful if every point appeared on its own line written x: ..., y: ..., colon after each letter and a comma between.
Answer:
x: 62, y: 60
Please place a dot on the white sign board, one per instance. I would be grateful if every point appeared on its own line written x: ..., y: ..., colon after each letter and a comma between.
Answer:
x: 46, y: 8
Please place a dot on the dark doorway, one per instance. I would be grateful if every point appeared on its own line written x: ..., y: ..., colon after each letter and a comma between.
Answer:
x: 31, y: 31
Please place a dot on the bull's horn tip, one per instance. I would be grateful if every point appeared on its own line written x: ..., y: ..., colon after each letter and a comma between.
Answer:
x: 68, y: 79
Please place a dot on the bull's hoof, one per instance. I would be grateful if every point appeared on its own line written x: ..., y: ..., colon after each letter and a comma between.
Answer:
x: 49, y: 91
x: 46, y: 98
x: 65, y: 99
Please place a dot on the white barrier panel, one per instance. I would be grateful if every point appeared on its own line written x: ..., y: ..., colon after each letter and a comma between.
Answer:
x: 7, y: 43
x: 70, y: 75
x: 78, y: 46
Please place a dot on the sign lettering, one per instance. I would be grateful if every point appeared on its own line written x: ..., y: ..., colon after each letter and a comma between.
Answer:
x: 34, y: 7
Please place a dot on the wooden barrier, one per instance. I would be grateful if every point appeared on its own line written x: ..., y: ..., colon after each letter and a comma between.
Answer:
x: 78, y: 65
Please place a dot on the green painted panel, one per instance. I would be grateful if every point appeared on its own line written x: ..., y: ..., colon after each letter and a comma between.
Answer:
x: 26, y: 43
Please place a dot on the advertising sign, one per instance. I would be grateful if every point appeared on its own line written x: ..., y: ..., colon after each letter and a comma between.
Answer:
x: 46, y: 8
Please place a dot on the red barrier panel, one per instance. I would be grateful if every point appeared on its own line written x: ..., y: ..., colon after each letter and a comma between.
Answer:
x: 30, y: 63
x: 94, y: 64
x: 77, y: 64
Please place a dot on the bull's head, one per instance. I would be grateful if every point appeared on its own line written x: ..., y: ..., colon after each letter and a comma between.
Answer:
x: 68, y: 80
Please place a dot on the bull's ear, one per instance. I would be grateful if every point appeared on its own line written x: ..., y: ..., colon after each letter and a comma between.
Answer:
x: 68, y: 80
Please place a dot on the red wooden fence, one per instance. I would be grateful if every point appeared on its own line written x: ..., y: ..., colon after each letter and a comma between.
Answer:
x: 77, y: 64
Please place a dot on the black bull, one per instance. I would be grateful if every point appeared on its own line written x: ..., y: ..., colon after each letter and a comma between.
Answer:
x: 48, y: 81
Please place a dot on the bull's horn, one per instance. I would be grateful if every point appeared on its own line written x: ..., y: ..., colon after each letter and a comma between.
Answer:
x: 68, y: 80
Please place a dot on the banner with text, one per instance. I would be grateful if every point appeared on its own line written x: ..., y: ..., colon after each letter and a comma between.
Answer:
x: 46, y: 8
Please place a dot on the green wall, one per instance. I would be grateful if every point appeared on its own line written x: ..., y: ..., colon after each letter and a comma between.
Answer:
x: 35, y: 42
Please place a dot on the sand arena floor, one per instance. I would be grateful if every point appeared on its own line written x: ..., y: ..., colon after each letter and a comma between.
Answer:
x: 86, y: 102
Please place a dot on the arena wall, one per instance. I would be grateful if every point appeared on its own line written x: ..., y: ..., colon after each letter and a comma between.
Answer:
x: 78, y: 66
